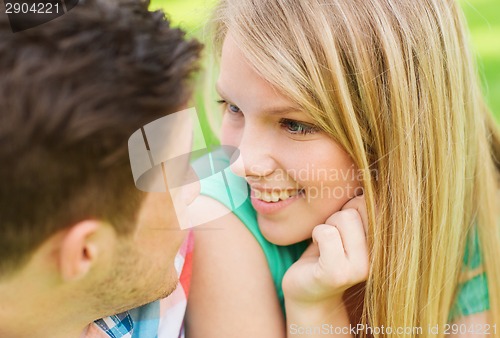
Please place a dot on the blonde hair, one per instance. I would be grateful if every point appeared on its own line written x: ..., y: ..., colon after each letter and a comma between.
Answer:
x: 393, y: 82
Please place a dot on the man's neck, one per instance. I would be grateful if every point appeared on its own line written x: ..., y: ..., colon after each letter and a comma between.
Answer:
x: 8, y: 329
x: 24, y: 316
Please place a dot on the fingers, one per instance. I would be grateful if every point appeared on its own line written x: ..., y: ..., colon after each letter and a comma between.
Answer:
x: 329, y: 242
x: 336, y: 260
x: 351, y: 229
x: 350, y: 226
x: 343, y: 246
x: 359, y: 204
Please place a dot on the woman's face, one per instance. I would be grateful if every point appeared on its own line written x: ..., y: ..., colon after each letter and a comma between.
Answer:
x: 298, y: 175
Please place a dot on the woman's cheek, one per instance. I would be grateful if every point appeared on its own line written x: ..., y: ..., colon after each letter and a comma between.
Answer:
x: 229, y: 136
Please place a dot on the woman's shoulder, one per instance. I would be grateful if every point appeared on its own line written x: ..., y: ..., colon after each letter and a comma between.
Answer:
x: 230, y: 278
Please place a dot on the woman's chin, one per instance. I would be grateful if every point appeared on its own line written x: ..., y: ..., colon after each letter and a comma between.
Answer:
x: 281, y: 234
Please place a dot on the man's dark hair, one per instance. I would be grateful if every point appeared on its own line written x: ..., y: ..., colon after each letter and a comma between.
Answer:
x: 72, y: 91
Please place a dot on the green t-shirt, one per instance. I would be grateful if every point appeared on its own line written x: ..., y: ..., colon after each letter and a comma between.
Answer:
x: 221, y: 184
x: 472, y: 295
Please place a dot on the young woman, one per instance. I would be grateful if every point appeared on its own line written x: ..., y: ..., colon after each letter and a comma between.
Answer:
x: 352, y: 118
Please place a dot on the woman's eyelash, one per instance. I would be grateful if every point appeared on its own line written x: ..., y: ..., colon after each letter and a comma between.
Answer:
x: 291, y: 126
x: 230, y: 107
x: 296, y: 127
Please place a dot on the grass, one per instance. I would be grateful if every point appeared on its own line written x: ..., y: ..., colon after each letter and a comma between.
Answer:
x: 483, y: 17
x: 188, y: 14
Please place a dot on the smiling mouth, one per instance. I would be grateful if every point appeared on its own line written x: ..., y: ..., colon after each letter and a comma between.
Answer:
x: 276, y: 196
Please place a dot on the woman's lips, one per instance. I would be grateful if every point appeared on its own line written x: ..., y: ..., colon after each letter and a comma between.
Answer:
x: 270, y: 202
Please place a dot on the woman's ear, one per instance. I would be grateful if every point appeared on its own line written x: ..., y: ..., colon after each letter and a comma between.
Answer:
x: 79, y: 249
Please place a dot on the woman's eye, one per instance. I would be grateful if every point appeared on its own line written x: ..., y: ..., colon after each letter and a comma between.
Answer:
x: 230, y: 107
x: 233, y: 108
x: 296, y: 127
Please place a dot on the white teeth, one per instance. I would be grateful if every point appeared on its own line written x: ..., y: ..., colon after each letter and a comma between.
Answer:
x: 267, y: 197
x: 275, y: 196
x: 284, y: 195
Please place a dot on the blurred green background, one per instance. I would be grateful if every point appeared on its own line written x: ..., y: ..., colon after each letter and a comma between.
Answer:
x: 483, y: 17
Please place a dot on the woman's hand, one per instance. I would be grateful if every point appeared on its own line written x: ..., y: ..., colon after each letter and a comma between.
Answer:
x: 336, y: 259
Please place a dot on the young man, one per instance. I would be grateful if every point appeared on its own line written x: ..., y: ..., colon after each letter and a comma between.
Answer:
x: 78, y: 241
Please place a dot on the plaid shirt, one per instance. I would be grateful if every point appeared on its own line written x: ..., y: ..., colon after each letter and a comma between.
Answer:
x: 161, y: 319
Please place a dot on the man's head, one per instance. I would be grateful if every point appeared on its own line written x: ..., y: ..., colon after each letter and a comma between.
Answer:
x: 72, y: 91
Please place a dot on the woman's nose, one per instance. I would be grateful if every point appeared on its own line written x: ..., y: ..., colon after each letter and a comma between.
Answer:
x: 255, y: 157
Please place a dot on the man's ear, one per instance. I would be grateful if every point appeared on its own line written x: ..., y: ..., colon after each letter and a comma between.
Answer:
x: 79, y: 249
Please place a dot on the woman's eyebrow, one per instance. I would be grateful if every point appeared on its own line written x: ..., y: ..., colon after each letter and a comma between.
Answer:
x: 283, y: 110
x: 219, y: 90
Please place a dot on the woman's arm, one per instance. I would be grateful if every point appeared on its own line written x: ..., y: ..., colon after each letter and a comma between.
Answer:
x: 232, y: 292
